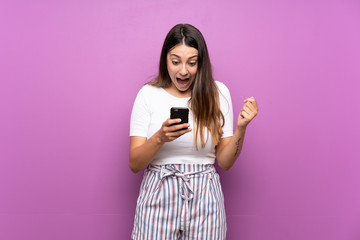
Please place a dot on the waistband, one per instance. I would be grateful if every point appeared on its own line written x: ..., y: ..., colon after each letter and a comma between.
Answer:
x: 182, y: 170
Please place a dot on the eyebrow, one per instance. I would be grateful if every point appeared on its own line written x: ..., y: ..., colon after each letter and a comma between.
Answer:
x: 180, y: 57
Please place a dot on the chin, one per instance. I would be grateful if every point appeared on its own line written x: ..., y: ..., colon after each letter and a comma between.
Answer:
x: 183, y: 89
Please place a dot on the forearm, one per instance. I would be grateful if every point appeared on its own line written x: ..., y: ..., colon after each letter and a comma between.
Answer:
x: 227, y: 156
x: 141, y: 156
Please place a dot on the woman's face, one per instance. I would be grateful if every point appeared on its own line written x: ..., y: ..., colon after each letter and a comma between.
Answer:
x: 182, y: 66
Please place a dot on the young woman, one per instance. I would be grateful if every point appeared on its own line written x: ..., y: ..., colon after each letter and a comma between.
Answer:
x: 180, y: 195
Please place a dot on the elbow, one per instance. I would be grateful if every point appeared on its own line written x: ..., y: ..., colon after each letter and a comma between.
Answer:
x: 224, y: 166
x: 133, y: 168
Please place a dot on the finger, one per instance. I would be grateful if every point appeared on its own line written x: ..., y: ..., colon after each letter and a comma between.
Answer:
x: 250, y: 99
x: 247, y: 109
x: 251, y: 112
x: 169, y: 121
x: 182, y: 132
x: 177, y: 134
x: 248, y: 114
x: 250, y: 106
x: 181, y: 126
x: 245, y: 114
x: 252, y: 102
x: 177, y: 127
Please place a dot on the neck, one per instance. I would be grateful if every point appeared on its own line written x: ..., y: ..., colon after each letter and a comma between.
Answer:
x: 176, y: 93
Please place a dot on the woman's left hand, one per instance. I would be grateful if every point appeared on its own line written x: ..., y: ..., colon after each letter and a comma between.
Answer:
x: 247, y: 113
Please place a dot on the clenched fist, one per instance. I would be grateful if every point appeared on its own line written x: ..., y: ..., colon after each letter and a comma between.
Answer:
x: 248, y: 112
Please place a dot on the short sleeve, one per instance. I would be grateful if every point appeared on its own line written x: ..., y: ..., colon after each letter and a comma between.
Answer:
x: 226, y: 108
x: 140, y: 115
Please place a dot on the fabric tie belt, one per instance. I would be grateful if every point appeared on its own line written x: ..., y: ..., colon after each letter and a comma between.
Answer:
x: 187, y: 192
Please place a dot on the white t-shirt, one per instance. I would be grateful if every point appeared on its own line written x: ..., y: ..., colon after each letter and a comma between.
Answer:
x: 152, y: 107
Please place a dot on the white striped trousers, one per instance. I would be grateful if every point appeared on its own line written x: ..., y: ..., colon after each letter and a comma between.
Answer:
x: 180, y: 201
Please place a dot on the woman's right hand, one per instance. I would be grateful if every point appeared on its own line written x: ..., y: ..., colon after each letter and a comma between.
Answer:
x: 169, y: 133
x: 143, y: 151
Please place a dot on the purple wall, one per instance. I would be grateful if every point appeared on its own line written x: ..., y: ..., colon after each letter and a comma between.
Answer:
x: 70, y: 71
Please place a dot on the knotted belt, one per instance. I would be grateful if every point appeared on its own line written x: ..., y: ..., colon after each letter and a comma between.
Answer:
x: 186, y: 190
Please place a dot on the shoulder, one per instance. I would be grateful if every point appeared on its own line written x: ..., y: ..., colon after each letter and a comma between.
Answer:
x: 149, y: 91
x: 222, y: 88
x: 225, y: 100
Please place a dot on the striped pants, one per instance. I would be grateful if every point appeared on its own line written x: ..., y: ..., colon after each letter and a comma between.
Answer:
x: 180, y: 201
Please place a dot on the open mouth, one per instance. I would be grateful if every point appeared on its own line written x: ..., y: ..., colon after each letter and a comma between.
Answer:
x: 183, y: 81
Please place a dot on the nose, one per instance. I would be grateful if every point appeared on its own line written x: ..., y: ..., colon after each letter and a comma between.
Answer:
x: 183, y: 70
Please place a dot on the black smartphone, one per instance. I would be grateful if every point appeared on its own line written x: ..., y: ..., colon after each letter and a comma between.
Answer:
x: 179, y: 112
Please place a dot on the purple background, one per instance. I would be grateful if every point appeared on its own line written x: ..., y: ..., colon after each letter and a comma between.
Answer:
x: 70, y: 71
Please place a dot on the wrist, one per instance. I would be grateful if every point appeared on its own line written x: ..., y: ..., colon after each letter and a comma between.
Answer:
x: 157, y: 138
x: 240, y: 129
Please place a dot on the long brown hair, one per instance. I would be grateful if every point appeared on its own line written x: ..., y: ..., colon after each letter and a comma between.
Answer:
x: 204, y: 102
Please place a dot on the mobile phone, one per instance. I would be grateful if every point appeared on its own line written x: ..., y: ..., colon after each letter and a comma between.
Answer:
x: 180, y: 112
